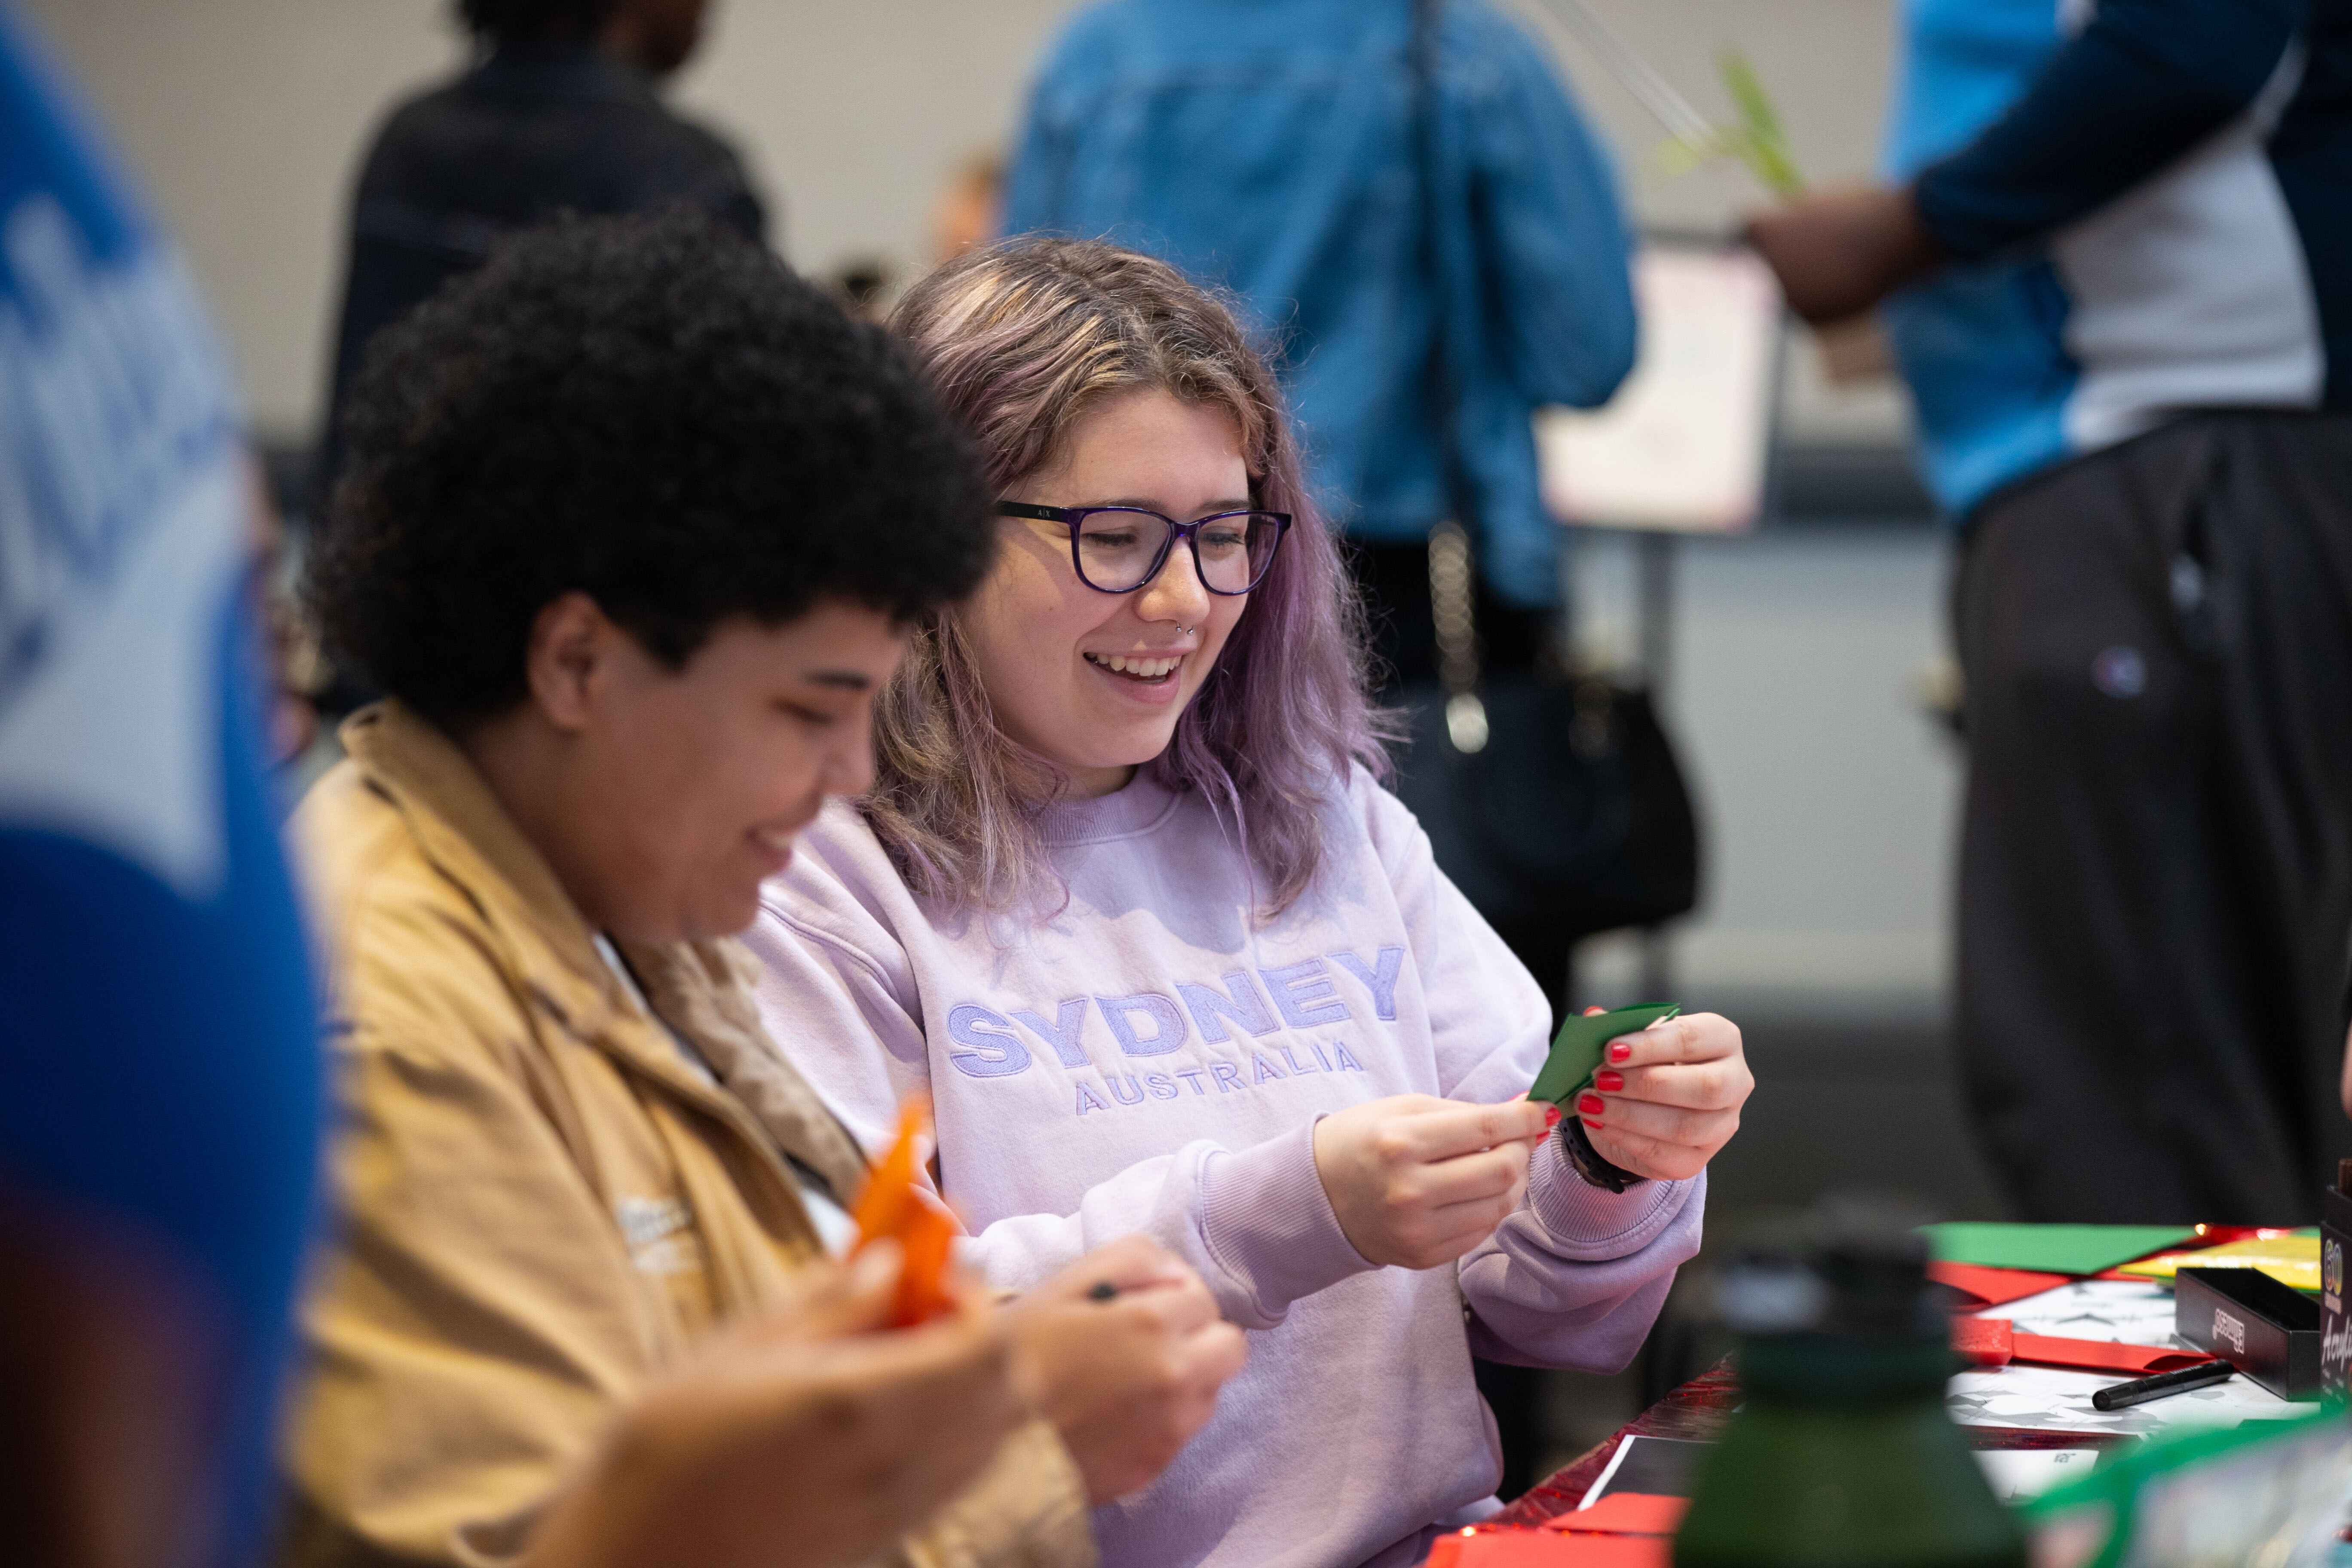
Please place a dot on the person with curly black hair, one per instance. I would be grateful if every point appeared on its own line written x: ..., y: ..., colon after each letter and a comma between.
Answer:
x: 654, y: 414
x: 634, y: 528
x: 558, y: 113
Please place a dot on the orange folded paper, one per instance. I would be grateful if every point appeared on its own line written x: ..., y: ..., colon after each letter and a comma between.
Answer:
x: 895, y: 1205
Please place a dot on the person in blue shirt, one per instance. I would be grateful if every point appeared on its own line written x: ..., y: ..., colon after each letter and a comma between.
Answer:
x: 1269, y: 147
x: 2114, y: 249
x: 160, y: 1132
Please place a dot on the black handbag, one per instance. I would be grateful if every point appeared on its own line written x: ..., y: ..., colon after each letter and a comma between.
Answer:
x: 1554, y: 798
x: 1548, y: 798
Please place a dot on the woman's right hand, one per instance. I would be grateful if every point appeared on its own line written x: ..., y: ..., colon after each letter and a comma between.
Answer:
x: 1124, y: 1352
x: 1417, y: 1182
x: 808, y: 1428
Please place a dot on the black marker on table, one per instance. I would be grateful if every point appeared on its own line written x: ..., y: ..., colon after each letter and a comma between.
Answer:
x: 2141, y: 1390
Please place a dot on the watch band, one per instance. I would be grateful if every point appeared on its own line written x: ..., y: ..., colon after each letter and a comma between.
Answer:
x: 1577, y: 1145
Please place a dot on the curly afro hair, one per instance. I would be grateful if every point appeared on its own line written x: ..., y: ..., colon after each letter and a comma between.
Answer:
x: 652, y: 412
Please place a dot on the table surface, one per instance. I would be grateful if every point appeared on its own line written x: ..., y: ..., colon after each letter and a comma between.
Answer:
x: 1698, y: 1410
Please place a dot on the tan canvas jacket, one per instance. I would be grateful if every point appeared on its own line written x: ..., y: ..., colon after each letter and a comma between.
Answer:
x: 541, y: 1205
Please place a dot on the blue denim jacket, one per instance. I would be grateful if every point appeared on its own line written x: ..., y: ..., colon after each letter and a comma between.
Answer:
x: 1267, y: 145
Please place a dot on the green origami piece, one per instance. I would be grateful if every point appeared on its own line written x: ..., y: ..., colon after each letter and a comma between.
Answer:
x: 2052, y: 1249
x: 1576, y: 1051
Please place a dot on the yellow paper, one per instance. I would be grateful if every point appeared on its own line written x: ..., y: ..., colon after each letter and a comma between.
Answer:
x: 2289, y: 1259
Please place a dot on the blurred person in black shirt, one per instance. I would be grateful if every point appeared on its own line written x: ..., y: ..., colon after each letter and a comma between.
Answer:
x: 558, y: 114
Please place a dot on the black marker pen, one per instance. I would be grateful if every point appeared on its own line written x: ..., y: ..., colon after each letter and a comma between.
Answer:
x: 2141, y: 1390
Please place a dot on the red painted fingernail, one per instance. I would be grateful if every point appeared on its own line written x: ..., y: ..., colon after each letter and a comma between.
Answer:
x: 1593, y: 1011
x: 1594, y: 1123
x: 1609, y: 1080
x: 1619, y: 1050
x: 1551, y: 1117
x: 1591, y: 1105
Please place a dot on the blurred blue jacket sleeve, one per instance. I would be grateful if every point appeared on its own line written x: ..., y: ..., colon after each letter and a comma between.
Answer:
x: 1554, y: 236
x: 1036, y: 184
x: 2145, y: 81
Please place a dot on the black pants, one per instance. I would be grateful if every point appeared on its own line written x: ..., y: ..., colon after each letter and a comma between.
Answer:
x: 2156, y: 867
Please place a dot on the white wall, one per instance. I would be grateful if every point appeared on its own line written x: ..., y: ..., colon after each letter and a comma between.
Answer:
x: 1827, y: 796
x: 246, y: 117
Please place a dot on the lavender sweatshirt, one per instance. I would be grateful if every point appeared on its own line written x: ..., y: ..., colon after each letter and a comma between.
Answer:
x: 1145, y: 1060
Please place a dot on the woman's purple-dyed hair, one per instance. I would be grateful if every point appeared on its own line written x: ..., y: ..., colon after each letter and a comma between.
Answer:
x: 1020, y: 340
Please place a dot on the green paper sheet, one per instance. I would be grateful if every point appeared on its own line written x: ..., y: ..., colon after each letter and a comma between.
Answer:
x: 2052, y: 1248
x: 1576, y: 1049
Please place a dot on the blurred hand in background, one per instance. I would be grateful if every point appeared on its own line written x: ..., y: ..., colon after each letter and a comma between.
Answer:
x: 1839, y: 252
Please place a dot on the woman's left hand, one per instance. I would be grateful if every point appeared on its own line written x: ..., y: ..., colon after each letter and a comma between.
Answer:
x: 1667, y: 1096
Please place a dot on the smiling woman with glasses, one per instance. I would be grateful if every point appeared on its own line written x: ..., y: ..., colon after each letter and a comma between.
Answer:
x: 1128, y: 902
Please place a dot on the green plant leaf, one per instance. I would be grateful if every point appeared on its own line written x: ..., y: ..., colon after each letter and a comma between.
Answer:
x: 1761, y: 142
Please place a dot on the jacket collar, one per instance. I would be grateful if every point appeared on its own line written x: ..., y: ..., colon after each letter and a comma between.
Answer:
x: 700, y: 990
x: 469, y: 838
x: 704, y: 990
x: 576, y: 71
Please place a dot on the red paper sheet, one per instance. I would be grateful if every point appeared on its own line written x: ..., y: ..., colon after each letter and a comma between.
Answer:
x: 1991, y: 1342
x: 1991, y: 1286
x: 1624, y: 1513
x: 2098, y: 1355
x: 1547, y: 1548
x: 1986, y: 1342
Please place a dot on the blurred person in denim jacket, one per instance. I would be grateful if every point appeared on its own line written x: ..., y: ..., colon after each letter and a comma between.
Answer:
x: 1270, y: 148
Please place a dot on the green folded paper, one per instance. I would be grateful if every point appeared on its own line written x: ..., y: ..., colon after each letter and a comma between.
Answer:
x: 2052, y: 1249
x: 1576, y: 1049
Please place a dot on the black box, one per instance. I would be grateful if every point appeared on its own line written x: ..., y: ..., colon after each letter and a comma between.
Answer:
x: 2269, y: 1331
x: 2335, y: 1332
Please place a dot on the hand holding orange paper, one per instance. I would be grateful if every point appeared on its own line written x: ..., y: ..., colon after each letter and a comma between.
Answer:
x: 895, y: 1204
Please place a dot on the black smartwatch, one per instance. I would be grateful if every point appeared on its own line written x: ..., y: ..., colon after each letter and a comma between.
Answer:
x: 1577, y: 1145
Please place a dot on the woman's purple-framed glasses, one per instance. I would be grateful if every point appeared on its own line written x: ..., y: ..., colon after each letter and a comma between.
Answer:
x: 1120, y: 549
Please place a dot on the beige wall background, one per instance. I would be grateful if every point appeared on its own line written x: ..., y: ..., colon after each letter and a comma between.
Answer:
x: 245, y: 119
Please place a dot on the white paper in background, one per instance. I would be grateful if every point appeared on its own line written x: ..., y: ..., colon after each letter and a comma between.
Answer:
x: 2116, y: 1311
x: 2020, y: 1475
x: 2058, y: 1399
x: 1682, y: 447
x: 2055, y: 1399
